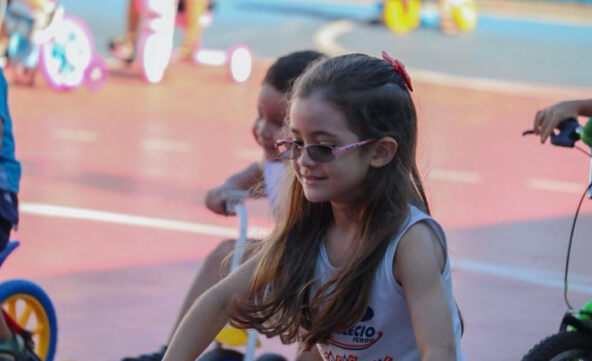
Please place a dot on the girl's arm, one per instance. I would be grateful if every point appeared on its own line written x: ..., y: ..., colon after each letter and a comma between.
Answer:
x: 419, y: 261
x: 209, y: 314
x: 312, y: 355
x: 244, y: 180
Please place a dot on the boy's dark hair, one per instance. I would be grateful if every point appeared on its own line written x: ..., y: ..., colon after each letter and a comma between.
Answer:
x: 286, y: 69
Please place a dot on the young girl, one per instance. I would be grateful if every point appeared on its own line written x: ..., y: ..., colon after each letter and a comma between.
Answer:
x: 355, y: 265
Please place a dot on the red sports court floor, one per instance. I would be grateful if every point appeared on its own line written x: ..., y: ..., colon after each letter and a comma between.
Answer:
x: 113, y: 222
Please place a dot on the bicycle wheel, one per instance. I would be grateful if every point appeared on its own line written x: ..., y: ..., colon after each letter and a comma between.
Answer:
x: 221, y: 355
x: 465, y: 14
x: 564, y: 346
x: 240, y: 63
x: 153, y: 57
x: 66, y: 57
x: 155, y: 44
x: 271, y: 357
x: 32, y: 309
x: 402, y: 16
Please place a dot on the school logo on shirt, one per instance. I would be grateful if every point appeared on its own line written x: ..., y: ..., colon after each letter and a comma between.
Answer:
x: 359, y: 337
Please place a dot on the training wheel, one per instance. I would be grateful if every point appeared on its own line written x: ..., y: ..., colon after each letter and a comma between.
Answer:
x: 153, y: 59
x: 402, y: 16
x: 240, y: 63
x: 30, y: 307
x: 96, y: 74
x: 465, y: 14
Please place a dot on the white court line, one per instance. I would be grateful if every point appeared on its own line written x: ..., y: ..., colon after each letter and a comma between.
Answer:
x: 77, y: 135
x: 326, y: 40
x: 326, y: 37
x: 455, y: 176
x: 49, y: 210
x: 556, y: 186
x: 165, y: 145
x: 577, y: 283
x: 248, y: 154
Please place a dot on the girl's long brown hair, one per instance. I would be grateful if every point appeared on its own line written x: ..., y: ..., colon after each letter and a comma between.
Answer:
x: 281, y: 299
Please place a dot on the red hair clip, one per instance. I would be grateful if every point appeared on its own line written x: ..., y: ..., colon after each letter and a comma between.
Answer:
x: 399, y: 68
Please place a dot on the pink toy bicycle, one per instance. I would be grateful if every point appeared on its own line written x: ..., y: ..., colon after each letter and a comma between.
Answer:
x: 155, y: 44
x: 66, y: 57
x: 29, y: 312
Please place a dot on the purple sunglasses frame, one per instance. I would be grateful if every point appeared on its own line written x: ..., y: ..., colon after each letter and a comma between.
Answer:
x: 334, y: 150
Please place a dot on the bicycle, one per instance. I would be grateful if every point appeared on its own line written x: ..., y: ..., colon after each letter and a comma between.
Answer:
x: 67, y: 59
x: 29, y: 312
x: 155, y: 44
x: 230, y: 336
x: 574, y: 339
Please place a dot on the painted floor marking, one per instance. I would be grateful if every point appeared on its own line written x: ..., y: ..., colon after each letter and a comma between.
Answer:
x: 77, y: 135
x: 326, y: 40
x: 455, y: 176
x: 556, y: 186
x: 248, y: 154
x: 326, y: 37
x: 577, y: 283
x: 165, y: 145
x: 49, y: 210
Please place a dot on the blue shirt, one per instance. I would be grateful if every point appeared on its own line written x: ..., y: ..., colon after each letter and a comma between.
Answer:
x: 10, y: 168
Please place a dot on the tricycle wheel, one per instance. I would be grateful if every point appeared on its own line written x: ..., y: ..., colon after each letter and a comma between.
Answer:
x: 221, y: 355
x: 465, y: 14
x: 240, y: 63
x: 402, y: 16
x: 271, y: 357
x: 29, y: 305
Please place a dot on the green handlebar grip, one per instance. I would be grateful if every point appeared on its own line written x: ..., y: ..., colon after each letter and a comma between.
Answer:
x: 586, y: 135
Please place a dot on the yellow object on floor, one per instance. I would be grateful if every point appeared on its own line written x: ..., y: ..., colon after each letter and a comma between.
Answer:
x: 233, y: 337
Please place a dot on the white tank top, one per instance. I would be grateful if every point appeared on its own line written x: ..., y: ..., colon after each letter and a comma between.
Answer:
x: 272, y: 176
x: 385, y: 332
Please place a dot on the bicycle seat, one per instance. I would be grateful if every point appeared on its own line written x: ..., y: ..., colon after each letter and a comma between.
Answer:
x: 233, y: 337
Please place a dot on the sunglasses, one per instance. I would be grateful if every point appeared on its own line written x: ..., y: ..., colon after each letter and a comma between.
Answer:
x: 321, y: 153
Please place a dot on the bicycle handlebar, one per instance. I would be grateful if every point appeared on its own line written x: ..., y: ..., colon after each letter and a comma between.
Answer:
x: 570, y: 131
x: 233, y: 200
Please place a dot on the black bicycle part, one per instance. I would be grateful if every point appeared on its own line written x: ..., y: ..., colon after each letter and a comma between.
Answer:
x: 563, y: 346
x: 221, y: 354
x: 271, y: 357
x: 567, y: 136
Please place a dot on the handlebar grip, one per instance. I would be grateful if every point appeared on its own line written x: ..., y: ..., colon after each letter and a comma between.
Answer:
x: 586, y: 133
x: 568, y: 134
x: 233, y: 200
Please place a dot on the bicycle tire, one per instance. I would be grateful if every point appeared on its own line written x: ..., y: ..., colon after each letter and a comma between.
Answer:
x: 221, y: 355
x: 402, y: 16
x: 563, y: 346
x: 29, y: 305
x: 271, y: 357
x: 65, y: 58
